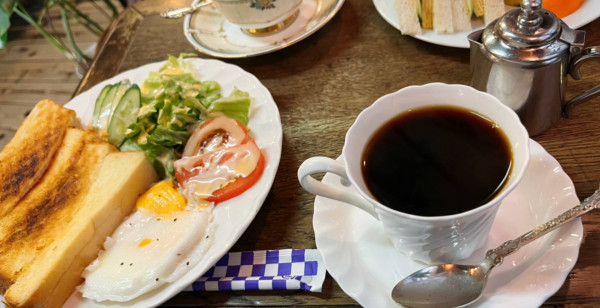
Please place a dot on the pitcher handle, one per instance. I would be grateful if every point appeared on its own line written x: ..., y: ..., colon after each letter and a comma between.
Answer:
x: 587, y: 54
x: 321, y: 164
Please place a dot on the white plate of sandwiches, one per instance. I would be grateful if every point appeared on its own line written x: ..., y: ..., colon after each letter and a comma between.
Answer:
x: 453, y: 27
x: 64, y: 194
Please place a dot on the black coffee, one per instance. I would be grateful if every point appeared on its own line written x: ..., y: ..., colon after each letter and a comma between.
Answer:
x: 436, y: 161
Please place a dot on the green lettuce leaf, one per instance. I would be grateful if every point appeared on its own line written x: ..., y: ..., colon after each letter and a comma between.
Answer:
x: 174, y: 103
x: 236, y: 106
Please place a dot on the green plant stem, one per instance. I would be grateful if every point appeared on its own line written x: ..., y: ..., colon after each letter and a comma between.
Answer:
x: 82, y: 18
x: 44, y: 11
x: 82, y: 59
x: 112, y: 8
x: 101, y: 10
x: 20, y: 10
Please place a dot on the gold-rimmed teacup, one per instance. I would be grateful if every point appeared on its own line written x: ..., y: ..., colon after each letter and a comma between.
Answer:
x: 259, y: 17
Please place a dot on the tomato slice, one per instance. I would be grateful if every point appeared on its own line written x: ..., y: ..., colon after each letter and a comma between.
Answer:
x: 210, y: 154
x: 240, y: 185
x: 215, y: 133
x: 183, y: 175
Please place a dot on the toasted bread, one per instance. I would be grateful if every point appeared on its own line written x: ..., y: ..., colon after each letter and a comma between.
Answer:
x: 25, y: 158
x: 56, y: 271
x: 39, y: 217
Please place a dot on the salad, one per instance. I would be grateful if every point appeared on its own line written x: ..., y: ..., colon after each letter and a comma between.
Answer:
x: 161, y: 115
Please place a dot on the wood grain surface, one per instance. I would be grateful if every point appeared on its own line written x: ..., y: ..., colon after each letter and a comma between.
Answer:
x: 320, y: 85
x: 32, y: 70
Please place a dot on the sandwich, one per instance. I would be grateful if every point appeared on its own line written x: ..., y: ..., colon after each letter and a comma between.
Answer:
x: 442, y: 16
x: 58, y: 227
x: 445, y: 16
x: 461, y: 15
x: 492, y: 9
x: 407, y: 13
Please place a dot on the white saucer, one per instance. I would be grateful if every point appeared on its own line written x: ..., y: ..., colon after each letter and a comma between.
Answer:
x: 210, y: 33
x: 366, y: 266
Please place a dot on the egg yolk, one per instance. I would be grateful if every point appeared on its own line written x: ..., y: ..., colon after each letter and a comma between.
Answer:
x: 144, y: 242
x: 162, y: 198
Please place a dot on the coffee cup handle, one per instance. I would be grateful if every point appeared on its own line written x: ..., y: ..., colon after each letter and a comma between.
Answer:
x: 321, y: 164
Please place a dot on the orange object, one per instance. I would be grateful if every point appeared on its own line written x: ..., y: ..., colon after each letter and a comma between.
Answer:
x: 562, y: 8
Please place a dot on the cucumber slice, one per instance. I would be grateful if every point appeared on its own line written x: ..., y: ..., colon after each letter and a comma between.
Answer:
x: 124, y: 115
x: 105, y: 108
x: 123, y: 86
x: 110, y: 103
x: 98, y: 105
x: 419, y: 11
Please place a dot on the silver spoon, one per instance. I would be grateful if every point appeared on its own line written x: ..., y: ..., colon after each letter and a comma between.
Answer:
x: 179, y: 12
x: 452, y: 285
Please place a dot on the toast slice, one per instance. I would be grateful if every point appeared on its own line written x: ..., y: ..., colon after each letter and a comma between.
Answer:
x: 40, y: 216
x: 25, y: 158
x: 56, y: 271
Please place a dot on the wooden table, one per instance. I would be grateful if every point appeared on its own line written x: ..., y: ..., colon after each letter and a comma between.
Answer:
x: 320, y: 85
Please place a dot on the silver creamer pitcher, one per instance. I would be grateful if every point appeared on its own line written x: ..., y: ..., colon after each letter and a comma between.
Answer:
x: 523, y: 58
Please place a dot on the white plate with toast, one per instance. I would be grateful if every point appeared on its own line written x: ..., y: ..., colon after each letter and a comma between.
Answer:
x: 232, y: 217
x: 589, y: 11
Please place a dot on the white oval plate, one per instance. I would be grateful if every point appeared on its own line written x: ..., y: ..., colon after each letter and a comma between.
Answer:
x: 231, y: 217
x: 588, y: 11
x: 366, y: 266
x: 210, y: 33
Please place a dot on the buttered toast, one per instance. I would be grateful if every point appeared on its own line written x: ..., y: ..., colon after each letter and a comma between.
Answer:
x: 25, y: 158
x: 52, y: 232
x: 55, y: 272
x: 38, y: 219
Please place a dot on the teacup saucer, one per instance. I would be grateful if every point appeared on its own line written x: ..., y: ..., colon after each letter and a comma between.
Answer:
x: 366, y: 266
x: 210, y: 33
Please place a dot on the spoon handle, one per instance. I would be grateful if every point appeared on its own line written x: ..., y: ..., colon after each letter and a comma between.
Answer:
x: 179, y: 12
x: 495, y: 256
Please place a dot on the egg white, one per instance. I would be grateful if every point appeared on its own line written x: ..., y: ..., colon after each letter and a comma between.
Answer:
x: 146, y: 251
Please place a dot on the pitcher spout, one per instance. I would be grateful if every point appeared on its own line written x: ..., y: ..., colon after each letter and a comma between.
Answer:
x: 480, y: 65
x: 475, y: 39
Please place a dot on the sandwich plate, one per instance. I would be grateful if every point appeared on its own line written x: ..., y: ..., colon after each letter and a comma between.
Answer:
x: 589, y: 10
x: 232, y: 217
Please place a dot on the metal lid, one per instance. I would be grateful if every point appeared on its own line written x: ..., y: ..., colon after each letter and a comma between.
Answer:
x: 529, y: 34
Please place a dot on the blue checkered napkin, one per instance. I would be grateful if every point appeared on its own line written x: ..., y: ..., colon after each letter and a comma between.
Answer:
x: 288, y: 269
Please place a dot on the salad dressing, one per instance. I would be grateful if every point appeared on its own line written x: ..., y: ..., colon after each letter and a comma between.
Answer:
x: 218, y: 168
x: 219, y: 153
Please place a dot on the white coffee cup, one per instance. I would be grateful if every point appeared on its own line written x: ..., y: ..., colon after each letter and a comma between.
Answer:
x: 257, y: 14
x: 431, y: 239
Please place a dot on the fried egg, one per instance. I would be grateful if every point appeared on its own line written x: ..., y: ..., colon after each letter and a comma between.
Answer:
x: 157, y: 244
